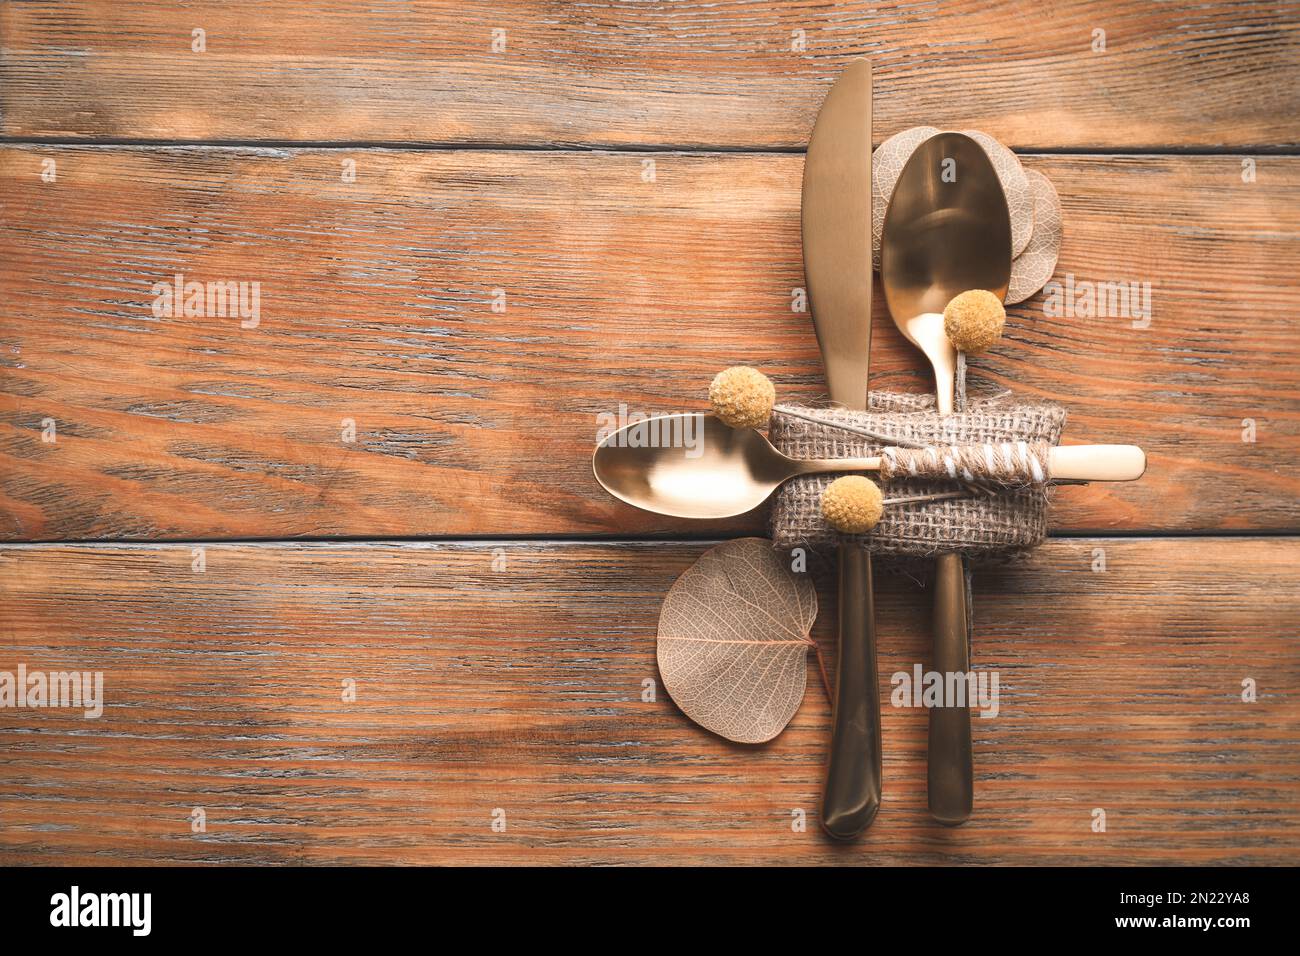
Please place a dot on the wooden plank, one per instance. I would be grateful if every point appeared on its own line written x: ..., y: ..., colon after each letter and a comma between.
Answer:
x: 518, y: 685
x: 692, y: 74
x: 377, y: 307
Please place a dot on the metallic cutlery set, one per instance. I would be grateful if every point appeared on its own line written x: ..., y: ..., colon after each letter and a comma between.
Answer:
x: 947, y: 230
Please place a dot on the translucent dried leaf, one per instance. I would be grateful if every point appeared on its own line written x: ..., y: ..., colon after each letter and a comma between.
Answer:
x: 1032, y: 268
x: 734, y: 640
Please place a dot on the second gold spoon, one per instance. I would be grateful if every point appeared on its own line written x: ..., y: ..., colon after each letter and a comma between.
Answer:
x: 695, y: 466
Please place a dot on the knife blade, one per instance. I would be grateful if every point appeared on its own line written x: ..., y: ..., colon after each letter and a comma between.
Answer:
x: 836, y: 221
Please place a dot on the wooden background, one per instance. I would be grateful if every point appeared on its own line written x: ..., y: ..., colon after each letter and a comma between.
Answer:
x: 494, y: 608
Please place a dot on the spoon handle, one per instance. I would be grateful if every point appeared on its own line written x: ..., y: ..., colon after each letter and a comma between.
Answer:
x: 852, y: 793
x: 951, y: 777
x: 822, y: 466
x: 1098, y: 462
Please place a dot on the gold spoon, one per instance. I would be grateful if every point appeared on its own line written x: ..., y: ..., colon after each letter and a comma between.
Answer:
x: 947, y: 230
x: 699, y: 467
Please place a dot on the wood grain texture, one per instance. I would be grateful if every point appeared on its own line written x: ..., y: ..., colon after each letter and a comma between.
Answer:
x: 691, y: 74
x: 521, y: 689
x: 376, y: 306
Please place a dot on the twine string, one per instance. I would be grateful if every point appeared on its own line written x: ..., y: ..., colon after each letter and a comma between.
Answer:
x: 1017, y: 463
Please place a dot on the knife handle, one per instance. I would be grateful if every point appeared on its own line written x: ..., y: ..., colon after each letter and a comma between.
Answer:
x: 852, y: 793
x: 951, y: 768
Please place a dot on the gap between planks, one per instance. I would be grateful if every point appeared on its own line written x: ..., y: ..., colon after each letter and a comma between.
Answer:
x: 488, y: 146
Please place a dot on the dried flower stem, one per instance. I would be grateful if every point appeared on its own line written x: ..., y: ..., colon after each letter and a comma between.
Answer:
x: 821, y: 667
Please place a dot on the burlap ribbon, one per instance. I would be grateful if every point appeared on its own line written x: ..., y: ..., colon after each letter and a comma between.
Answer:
x: 1012, y: 519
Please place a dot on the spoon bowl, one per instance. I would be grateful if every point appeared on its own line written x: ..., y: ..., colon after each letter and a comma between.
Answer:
x: 714, y: 471
x: 949, y: 231
x: 948, y: 226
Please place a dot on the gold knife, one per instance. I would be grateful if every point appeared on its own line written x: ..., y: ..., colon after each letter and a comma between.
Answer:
x: 837, y: 263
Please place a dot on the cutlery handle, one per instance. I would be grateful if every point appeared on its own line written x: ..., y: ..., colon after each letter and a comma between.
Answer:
x: 951, y: 782
x: 1098, y: 462
x: 852, y: 794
